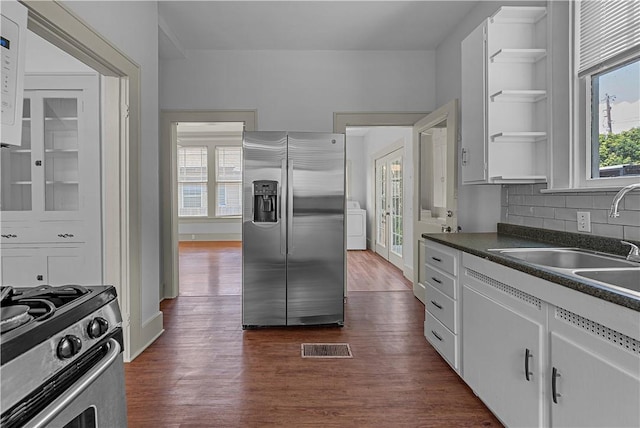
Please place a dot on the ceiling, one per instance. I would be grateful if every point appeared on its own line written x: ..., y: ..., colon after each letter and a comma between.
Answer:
x: 305, y: 25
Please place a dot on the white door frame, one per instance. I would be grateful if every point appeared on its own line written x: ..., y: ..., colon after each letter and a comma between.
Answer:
x: 56, y: 23
x: 362, y: 119
x: 169, y: 182
x: 448, y: 112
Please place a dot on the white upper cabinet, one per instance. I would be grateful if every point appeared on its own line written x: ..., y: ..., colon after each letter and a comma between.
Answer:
x: 50, y: 196
x: 504, y: 98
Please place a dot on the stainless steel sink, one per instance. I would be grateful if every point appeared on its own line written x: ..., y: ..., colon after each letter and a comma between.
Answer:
x: 628, y: 279
x: 565, y: 258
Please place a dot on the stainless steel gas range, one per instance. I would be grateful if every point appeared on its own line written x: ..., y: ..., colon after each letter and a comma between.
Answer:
x: 62, y: 364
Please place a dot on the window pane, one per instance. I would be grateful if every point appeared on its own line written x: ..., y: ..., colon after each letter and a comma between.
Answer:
x: 615, y: 122
x: 229, y: 163
x: 192, y: 199
x: 229, y: 199
x: 192, y: 181
x: 192, y: 164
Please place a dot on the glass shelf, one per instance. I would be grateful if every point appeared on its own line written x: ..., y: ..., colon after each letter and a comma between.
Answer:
x: 71, y: 151
x: 63, y: 182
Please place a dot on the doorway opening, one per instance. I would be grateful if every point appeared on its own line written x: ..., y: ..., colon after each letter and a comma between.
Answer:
x: 209, y: 204
x: 378, y: 180
x: 203, y: 192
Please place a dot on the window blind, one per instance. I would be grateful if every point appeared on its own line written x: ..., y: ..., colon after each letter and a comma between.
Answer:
x: 229, y: 166
x: 609, y: 31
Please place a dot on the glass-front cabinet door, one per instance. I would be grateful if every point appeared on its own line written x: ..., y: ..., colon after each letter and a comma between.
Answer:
x: 61, y: 172
x: 16, y: 188
x: 41, y: 177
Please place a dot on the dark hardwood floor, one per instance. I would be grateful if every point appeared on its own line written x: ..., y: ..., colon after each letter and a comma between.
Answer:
x: 205, y: 371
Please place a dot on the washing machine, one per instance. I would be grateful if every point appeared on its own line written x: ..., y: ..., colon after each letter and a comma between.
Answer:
x: 356, y: 226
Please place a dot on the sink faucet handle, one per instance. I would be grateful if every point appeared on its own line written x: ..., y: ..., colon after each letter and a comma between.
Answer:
x: 634, y: 251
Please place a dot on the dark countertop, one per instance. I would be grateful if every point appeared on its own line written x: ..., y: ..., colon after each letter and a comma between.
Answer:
x: 509, y: 236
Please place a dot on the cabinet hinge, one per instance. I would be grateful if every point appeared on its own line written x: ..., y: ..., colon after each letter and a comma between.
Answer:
x: 126, y: 111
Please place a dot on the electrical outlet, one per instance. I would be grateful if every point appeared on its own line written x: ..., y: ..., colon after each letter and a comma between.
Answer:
x: 193, y: 237
x: 584, y: 221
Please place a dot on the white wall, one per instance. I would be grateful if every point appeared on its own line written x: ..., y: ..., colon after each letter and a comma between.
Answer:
x: 356, y: 157
x: 299, y: 90
x: 376, y: 141
x: 43, y: 57
x: 132, y: 26
x: 479, y: 206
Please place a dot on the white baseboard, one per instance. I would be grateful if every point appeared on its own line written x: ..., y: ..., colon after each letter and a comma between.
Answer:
x: 210, y: 237
x: 150, y: 331
x: 408, y: 272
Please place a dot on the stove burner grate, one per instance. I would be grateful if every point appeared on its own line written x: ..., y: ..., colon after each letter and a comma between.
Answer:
x: 19, y: 307
x: 14, y: 316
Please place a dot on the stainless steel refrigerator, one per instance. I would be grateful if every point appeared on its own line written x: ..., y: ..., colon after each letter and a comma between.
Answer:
x: 293, y: 240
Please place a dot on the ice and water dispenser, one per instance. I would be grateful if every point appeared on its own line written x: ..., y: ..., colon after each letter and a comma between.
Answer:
x: 265, y: 201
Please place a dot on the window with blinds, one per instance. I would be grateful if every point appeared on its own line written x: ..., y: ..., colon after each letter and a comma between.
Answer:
x: 228, y: 181
x: 608, y: 65
x: 192, y: 181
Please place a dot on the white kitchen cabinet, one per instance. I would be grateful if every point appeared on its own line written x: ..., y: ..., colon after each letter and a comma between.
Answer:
x: 503, y: 358
x: 442, y: 323
x: 594, y: 376
x: 50, y: 191
x: 32, y: 266
x: 583, y: 353
x: 504, y: 98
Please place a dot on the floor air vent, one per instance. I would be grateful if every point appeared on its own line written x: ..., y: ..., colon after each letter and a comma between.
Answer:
x: 326, y: 350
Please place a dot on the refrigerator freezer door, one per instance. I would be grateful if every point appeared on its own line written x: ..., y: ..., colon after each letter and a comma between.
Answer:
x: 316, y: 259
x: 264, y: 271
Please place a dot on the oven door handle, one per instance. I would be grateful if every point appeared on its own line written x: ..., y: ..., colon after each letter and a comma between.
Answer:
x: 62, y: 402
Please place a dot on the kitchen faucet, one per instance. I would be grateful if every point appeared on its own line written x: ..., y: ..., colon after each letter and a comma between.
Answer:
x: 613, y: 212
x: 634, y: 252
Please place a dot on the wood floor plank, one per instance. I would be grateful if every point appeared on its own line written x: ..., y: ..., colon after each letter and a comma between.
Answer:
x: 205, y: 371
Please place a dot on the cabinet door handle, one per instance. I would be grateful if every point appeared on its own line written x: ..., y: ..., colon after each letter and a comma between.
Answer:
x: 436, y: 335
x: 527, y: 355
x: 436, y: 304
x: 554, y: 393
x: 9, y: 236
x: 436, y: 259
x: 436, y: 280
x: 464, y: 157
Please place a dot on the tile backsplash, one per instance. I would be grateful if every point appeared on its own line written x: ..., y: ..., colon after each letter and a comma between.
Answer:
x: 523, y: 204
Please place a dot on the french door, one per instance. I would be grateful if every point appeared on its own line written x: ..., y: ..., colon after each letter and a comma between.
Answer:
x: 389, y: 207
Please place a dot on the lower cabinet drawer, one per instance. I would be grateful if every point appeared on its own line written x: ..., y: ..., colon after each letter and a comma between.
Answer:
x: 440, y: 281
x: 442, y: 339
x: 442, y: 307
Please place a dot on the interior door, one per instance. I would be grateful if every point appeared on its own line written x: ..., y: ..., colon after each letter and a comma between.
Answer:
x: 389, y: 207
x: 435, y: 139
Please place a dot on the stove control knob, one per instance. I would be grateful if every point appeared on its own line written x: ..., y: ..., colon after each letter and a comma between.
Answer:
x: 69, y: 346
x: 97, y: 327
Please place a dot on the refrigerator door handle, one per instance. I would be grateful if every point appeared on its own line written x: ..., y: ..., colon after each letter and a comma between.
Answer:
x: 290, y: 208
x: 283, y: 195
